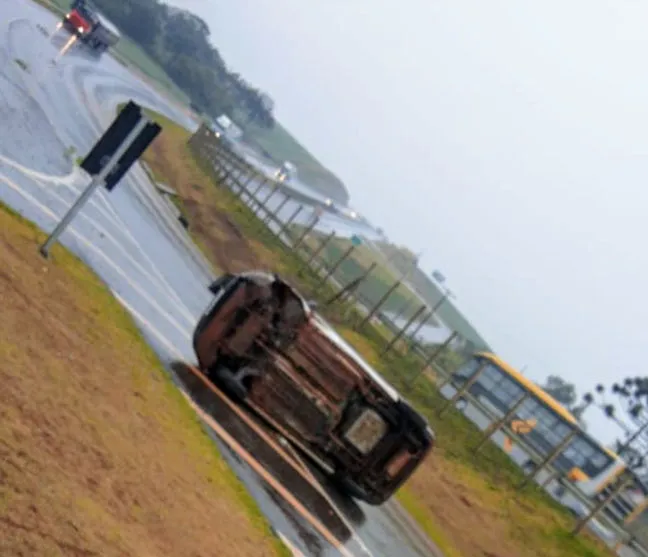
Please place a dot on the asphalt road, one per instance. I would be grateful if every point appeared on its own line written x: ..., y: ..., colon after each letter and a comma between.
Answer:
x: 133, y: 241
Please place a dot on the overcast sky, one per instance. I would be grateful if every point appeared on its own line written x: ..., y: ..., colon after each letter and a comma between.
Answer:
x: 507, y: 140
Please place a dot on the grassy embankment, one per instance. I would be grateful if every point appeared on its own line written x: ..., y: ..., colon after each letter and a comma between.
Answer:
x: 99, y: 452
x: 469, y: 505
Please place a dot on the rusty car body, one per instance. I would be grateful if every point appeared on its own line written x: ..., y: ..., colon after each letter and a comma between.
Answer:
x: 263, y: 344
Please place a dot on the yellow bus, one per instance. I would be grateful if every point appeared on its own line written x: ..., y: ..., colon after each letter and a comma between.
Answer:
x: 585, y: 462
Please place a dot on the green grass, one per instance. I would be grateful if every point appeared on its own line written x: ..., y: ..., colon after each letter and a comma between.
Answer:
x: 121, y: 330
x: 59, y: 7
x: 416, y: 510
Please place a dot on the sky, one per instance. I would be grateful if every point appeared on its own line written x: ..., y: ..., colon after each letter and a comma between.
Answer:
x: 507, y: 140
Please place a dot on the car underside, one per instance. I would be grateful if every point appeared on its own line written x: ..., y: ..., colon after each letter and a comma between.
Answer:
x: 263, y: 344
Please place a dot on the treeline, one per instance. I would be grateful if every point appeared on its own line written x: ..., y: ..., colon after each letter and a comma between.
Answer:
x: 178, y: 40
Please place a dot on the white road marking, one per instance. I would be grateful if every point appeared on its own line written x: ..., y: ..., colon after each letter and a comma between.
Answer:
x: 157, y: 334
x: 140, y: 291
x: 39, y: 178
x: 289, y: 545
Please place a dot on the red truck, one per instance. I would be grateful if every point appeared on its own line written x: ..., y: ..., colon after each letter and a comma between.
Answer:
x: 90, y: 27
x: 265, y: 346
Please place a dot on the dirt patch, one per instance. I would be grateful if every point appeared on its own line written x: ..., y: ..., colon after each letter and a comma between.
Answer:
x: 228, y: 248
x: 99, y: 454
x: 482, y: 519
x: 475, y: 529
x: 211, y: 225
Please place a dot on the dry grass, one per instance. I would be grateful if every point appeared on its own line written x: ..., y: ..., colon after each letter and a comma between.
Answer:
x: 99, y: 454
x: 475, y: 517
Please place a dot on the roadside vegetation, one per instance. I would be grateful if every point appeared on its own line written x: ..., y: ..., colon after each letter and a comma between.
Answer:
x: 99, y: 452
x: 469, y: 505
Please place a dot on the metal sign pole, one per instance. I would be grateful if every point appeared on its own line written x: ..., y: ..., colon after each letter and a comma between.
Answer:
x: 97, y: 181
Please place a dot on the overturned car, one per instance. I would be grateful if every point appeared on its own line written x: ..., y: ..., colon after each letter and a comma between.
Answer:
x: 265, y: 346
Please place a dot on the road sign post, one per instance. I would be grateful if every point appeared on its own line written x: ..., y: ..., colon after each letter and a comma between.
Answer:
x: 111, y: 157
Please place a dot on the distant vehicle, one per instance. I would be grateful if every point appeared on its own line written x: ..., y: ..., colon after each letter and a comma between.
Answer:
x: 229, y: 128
x: 584, y: 462
x: 331, y: 206
x: 286, y: 172
x: 265, y: 345
x: 90, y: 27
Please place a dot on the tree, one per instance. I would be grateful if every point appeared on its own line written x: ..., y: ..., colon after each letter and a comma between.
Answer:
x: 628, y: 412
x: 563, y: 391
x: 180, y: 42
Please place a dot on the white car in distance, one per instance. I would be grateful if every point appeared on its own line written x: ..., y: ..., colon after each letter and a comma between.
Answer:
x: 287, y: 171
